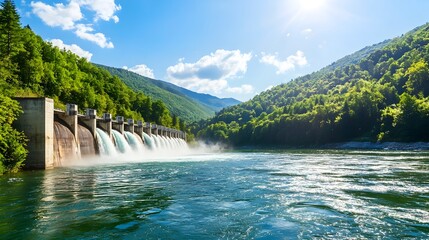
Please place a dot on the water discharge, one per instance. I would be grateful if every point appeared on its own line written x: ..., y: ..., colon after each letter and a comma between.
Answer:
x: 150, y: 143
x: 105, y: 144
x: 120, y: 142
x: 86, y: 142
x: 132, y: 147
x: 66, y: 148
x: 134, y: 142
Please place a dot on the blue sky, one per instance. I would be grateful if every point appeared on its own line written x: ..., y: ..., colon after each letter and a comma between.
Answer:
x: 227, y: 48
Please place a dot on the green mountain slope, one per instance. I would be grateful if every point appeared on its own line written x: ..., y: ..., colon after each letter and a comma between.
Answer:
x: 378, y: 93
x: 186, y: 104
x: 181, y: 106
x: 208, y: 100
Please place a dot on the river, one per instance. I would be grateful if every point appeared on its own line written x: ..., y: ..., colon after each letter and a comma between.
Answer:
x: 308, y: 194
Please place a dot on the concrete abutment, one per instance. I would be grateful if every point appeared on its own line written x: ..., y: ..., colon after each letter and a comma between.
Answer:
x: 37, y: 123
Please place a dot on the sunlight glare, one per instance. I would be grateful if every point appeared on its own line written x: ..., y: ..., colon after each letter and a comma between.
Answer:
x: 311, y: 5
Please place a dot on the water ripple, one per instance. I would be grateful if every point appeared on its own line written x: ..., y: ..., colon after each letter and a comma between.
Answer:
x: 304, y: 195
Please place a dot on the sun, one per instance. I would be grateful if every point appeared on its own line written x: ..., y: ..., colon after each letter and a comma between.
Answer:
x: 311, y: 5
x: 309, y: 12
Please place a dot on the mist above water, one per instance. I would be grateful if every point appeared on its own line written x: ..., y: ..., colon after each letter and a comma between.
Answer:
x: 131, y: 147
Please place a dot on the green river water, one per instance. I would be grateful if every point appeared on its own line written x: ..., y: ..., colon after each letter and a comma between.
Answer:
x: 224, y: 195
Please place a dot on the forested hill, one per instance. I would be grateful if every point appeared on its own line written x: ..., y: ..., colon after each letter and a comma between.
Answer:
x: 214, y: 103
x: 186, y: 104
x: 31, y: 67
x: 377, y: 94
x: 354, y: 58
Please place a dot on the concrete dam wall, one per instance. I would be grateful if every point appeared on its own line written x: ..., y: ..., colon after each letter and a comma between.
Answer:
x: 59, y: 137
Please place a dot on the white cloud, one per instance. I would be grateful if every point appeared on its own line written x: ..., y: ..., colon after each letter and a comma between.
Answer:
x: 222, y: 64
x: 141, y: 69
x: 202, y: 85
x: 86, y: 32
x: 283, y: 66
x: 104, y: 9
x: 58, y: 15
x: 243, y: 89
x: 211, y: 72
x: 73, y: 48
x: 207, y: 86
x: 70, y: 17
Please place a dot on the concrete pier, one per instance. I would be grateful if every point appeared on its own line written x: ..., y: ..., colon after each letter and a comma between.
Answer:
x: 147, y: 128
x: 118, y: 125
x: 138, y: 129
x: 37, y: 123
x: 70, y: 118
x: 154, y: 129
x: 130, y: 126
x: 106, y: 123
x: 90, y: 121
x: 161, y: 130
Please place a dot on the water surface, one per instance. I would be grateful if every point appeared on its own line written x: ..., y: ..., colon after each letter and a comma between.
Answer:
x: 232, y: 195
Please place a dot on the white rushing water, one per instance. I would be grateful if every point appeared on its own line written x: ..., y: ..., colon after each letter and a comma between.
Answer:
x: 135, y: 143
x: 131, y: 146
x: 105, y: 144
x: 149, y: 141
x: 120, y: 142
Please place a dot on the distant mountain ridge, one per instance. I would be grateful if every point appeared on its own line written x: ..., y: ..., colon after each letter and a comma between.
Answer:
x: 208, y: 100
x: 188, y: 105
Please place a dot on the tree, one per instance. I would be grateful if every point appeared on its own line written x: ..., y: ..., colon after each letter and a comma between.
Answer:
x: 12, y: 142
x: 418, y: 78
x: 160, y: 114
x: 9, y: 41
x: 29, y: 59
x: 10, y: 29
x: 175, y: 122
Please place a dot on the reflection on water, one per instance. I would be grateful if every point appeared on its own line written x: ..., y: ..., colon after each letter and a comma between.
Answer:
x: 312, y: 194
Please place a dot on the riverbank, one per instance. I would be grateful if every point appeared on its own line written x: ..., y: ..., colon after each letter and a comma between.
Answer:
x: 352, y: 145
x: 411, y: 146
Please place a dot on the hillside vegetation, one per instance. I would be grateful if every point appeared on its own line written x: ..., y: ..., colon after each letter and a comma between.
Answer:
x: 30, y: 66
x: 214, y: 103
x: 188, y: 105
x: 179, y: 105
x: 377, y: 94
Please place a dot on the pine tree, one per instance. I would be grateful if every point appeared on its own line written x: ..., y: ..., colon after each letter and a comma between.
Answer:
x: 10, y: 29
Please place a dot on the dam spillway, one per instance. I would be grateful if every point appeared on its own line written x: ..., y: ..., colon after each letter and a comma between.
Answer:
x: 57, y: 137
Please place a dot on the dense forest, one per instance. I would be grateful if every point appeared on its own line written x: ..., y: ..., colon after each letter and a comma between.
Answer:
x: 380, y: 93
x: 32, y: 67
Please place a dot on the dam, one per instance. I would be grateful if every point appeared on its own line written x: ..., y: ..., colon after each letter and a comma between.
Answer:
x: 57, y: 137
